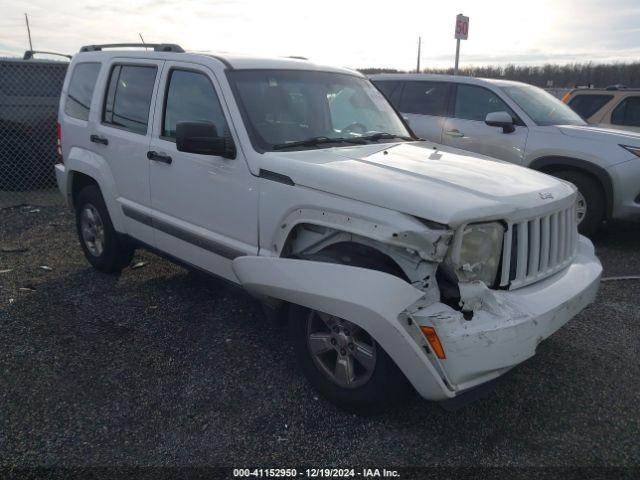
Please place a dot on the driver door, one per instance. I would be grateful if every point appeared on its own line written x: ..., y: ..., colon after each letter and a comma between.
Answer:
x: 205, y: 207
x: 467, y: 130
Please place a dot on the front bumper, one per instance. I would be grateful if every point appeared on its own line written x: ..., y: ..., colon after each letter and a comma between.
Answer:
x: 507, y: 326
x: 626, y: 190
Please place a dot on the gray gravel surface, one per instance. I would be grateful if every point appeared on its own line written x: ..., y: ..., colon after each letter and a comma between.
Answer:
x: 161, y: 366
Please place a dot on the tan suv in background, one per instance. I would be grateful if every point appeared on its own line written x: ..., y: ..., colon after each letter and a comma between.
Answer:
x: 612, y: 107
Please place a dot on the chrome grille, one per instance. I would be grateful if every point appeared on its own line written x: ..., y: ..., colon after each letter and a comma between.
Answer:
x: 538, y: 247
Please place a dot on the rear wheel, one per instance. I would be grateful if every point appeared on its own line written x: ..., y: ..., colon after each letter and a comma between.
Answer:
x: 343, y: 361
x: 590, y: 206
x: 101, y: 244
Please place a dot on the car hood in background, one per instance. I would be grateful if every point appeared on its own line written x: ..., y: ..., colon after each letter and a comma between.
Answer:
x: 448, y: 186
x: 597, y: 133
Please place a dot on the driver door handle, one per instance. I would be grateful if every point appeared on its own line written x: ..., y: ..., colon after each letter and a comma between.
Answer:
x: 454, y: 133
x: 159, y: 157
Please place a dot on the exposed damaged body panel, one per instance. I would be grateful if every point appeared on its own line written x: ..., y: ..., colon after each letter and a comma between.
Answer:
x: 505, y: 330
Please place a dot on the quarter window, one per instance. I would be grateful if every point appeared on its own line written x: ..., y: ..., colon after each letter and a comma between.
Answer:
x: 425, y: 98
x: 586, y: 105
x: 191, y: 97
x: 627, y: 113
x: 129, y: 97
x: 474, y: 103
x: 80, y: 92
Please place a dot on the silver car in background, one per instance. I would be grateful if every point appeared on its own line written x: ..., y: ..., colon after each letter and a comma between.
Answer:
x: 523, y: 124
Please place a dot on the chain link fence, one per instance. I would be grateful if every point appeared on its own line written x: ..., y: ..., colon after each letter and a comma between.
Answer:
x: 29, y: 96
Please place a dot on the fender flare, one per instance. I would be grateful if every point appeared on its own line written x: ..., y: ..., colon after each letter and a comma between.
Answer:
x: 94, y: 166
x: 543, y: 163
x: 371, y: 299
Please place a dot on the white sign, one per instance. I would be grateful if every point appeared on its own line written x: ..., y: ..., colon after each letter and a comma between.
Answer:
x: 462, y: 27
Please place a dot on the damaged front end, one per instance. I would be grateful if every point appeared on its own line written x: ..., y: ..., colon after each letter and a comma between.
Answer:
x: 444, y: 316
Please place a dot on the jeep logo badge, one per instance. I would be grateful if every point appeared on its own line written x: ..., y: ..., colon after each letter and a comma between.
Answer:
x: 545, y: 195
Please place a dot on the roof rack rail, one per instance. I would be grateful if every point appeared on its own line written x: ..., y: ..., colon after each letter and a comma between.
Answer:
x: 157, y: 47
x: 28, y: 54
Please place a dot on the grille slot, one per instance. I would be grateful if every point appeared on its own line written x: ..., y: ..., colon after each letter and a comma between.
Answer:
x: 538, y: 247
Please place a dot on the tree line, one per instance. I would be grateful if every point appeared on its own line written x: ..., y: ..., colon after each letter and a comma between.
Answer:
x: 558, y: 76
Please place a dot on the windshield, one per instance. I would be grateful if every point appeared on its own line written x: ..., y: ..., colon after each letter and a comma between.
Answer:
x: 312, y: 109
x: 542, y: 107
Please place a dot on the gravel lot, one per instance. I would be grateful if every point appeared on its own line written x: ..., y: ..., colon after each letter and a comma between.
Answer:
x: 162, y: 366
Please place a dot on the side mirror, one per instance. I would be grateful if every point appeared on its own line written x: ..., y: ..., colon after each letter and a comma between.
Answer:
x: 203, y: 138
x: 500, y: 119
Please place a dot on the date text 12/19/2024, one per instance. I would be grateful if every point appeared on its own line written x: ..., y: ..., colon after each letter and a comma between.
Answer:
x: 315, y: 473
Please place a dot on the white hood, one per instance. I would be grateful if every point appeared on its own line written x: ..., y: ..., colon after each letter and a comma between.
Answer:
x: 445, y: 185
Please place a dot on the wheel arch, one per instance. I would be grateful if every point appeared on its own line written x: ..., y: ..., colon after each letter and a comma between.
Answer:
x: 78, y: 181
x: 551, y: 164
x: 79, y: 178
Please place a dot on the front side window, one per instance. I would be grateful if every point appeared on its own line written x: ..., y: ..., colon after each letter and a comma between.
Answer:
x: 474, y: 103
x: 542, y: 107
x: 586, y: 105
x: 191, y: 98
x: 80, y: 92
x: 129, y: 97
x: 424, y: 98
x: 391, y: 90
x: 286, y: 106
x: 627, y: 113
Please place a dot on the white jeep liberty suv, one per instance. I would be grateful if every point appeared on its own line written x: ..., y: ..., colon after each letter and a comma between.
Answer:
x: 398, y: 262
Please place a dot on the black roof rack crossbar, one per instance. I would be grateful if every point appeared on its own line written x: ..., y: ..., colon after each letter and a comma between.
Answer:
x: 28, y: 55
x: 157, y: 47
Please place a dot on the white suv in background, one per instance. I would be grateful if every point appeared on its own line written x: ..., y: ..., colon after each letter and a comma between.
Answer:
x: 394, y: 259
x: 525, y: 125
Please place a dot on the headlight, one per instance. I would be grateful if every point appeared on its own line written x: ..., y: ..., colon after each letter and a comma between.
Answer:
x: 480, y: 252
x: 634, y: 150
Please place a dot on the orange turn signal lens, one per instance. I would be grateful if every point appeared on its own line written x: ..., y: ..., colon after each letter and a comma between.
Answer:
x: 566, y: 97
x: 432, y: 337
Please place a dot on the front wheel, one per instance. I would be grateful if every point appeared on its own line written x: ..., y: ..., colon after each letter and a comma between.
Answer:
x: 344, y: 363
x: 590, y: 205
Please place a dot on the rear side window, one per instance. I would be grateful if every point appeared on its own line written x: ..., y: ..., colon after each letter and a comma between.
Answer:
x: 474, y: 103
x: 587, y: 105
x: 80, y: 92
x: 129, y: 97
x: 426, y: 98
x: 191, y: 98
x: 627, y: 113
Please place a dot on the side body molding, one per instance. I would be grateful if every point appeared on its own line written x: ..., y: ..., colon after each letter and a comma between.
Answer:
x: 371, y: 299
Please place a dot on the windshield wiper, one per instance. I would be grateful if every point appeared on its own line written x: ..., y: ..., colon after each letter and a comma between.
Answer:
x: 386, y: 136
x: 313, y: 141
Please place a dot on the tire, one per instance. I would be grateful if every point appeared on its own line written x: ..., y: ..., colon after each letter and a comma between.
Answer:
x: 376, y: 384
x: 108, y: 252
x: 593, y: 197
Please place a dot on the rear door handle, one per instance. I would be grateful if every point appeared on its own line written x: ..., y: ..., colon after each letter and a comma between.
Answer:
x: 454, y: 133
x: 159, y: 157
x: 99, y: 139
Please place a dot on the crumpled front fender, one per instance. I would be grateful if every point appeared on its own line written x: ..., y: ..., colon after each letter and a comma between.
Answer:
x: 372, y: 300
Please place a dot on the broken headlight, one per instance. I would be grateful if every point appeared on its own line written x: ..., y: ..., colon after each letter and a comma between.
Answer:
x: 480, y: 253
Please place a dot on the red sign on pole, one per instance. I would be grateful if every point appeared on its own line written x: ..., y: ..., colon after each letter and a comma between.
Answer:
x: 462, y: 27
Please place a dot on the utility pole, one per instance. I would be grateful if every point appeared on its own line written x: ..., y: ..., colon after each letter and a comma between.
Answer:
x: 28, y: 32
x: 455, y: 68
x: 461, y: 33
x: 419, y: 45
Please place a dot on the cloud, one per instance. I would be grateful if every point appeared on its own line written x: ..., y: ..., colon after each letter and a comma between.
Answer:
x: 350, y: 33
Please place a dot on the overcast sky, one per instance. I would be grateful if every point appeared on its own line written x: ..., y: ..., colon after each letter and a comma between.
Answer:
x: 349, y: 33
